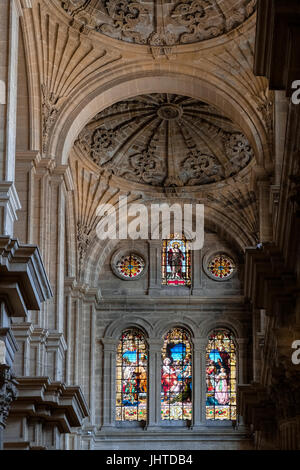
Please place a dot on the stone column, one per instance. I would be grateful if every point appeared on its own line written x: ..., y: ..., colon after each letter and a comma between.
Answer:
x: 242, y: 360
x: 9, y: 28
x: 197, y: 272
x: 59, y: 180
x: 199, y: 382
x: 265, y: 218
x: 242, y: 369
x: 281, y: 116
x: 154, y: 383
x: 109, y: 382
x: 256, y: 330
x: 55, y: 349
x: 155, y: 267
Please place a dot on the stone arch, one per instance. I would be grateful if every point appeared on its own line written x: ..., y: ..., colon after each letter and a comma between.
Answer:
x: 231, y: 324
x: 163, y: 326
x: 114, y: 329
x: 100, y: 250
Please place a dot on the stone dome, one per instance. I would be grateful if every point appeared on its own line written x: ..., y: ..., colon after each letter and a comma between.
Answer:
x: 161, y: 22
x: 166, y: 140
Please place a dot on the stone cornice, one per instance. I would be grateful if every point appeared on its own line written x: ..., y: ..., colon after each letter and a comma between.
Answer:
x: 236, y: 303
x: 267, y: 279
x: 53, y: 402
x: 24, y: 284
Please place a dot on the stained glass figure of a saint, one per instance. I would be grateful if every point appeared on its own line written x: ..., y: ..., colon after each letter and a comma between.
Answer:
x: 176, y: 376
x: 221, y: 377
x: 176, y: 262
x: 131, y: 377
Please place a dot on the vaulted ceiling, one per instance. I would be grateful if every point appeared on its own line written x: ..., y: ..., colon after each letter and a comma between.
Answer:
x: 166, y: 140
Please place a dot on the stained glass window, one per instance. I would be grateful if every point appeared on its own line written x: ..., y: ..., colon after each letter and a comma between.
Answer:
x: 176, y: 262
x: 130, y: 266
x: 131, y: 378
x: 221, y: 376
x: 221, y: 267
x: 176, y: 376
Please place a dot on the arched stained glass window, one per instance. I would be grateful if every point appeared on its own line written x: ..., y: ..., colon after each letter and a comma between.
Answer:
x: 131, y: 377
x: 176, y: 376
x: 221, y: 369
x: 176, y: 261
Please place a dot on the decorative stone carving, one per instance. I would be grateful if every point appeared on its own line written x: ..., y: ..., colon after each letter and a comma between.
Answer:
x: 147, y: 167
x: 200, y: 168
x: 202, y: 18
x: 265, y: 106
x: 126, y: 16
x: 238, y: 151
x: 8, y: 392
x: 165, y: 140
x: 83, y: 241
x: 49, y: 114
x: 103, y: 139
x: 159, y: 23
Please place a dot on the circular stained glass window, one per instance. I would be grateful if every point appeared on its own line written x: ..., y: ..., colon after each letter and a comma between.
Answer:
x: 130, y: 267
x: 221, y: 267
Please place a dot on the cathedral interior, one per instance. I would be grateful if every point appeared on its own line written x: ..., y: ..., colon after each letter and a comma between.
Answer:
x: 145, y: 343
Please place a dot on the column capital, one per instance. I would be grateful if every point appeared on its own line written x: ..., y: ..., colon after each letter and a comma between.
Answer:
x: 199, y: 344
x: 62, y: 173
x: 22, y: 5
x: 155, y: 344
x: 109, y: 344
